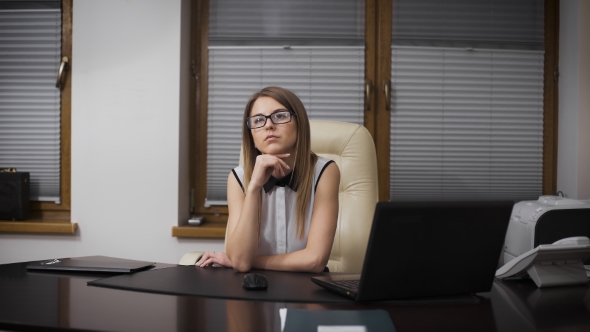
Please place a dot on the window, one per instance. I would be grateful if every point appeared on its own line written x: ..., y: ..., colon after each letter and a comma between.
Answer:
x: 243, y: 46
x: 416, y: 53
x: 467, y: 100
x: 34, y: 113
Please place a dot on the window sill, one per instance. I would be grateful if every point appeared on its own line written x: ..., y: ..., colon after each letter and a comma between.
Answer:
x: 39, y: 226
x: 207, y: 230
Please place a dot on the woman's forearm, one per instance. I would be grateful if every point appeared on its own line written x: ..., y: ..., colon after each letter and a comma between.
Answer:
x: 305, y: 260
x: 242, y: 244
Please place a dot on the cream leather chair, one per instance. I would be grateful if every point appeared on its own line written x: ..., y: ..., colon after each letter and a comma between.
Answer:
x: 351, y: 147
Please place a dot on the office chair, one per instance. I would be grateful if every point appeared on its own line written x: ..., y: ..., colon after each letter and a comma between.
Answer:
x: 351, y: 147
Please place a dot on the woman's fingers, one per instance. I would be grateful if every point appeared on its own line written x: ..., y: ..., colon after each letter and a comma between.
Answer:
x: 279, y: 165
x: 281, y: 161
x: 202, y: 259
x: 284, y: 164
x: 267, y: 165
x: 205, y: 258
x: 279, y: 170
x: 205, y: 263
x: 210, y: 258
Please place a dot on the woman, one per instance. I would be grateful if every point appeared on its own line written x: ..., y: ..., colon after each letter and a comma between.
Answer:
x: 283, y: 203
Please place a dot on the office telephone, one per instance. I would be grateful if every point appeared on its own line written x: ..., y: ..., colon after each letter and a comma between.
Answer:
x: 557, y: 264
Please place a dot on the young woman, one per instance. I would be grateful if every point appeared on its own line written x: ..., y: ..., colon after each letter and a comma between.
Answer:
x: 283, y: 202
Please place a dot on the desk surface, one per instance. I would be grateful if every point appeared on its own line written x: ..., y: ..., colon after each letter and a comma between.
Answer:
x: 34, y: 301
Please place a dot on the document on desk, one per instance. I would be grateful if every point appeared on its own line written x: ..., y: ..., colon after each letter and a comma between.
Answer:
x: 335, y: 320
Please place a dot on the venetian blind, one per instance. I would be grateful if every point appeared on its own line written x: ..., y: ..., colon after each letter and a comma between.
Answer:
x: 303, y: 46
x: 467, y: 100
x: 30, y: 50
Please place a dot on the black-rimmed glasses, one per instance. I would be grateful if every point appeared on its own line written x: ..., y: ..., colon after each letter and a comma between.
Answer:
x: 279, y: 117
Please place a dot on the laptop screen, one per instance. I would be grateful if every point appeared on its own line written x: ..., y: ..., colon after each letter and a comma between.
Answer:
x: 433, y: 248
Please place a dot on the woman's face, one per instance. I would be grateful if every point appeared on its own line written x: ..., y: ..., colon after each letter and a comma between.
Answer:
x: 273, y: 138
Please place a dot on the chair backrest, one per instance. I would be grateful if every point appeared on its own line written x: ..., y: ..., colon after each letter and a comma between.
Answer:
x: 352, y: 148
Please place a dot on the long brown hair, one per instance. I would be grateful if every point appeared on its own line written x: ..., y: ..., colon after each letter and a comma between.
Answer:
x: 305, y: 159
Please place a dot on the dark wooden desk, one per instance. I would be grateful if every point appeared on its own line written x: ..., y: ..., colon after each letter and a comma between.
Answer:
x: 53, y: 301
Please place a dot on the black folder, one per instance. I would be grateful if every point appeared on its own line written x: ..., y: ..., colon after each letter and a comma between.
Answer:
x: 91, y: 264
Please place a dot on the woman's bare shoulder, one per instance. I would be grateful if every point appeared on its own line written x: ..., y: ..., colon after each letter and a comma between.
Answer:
x: 329, y: 178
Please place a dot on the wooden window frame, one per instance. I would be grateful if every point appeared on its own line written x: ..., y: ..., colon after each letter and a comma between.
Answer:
x: 550, y: 95
x: 215, y: 217
x: 49, y: 217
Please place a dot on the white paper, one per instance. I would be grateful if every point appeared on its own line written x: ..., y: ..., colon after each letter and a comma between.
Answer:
x: 342, y: 328
x: 283, y: 316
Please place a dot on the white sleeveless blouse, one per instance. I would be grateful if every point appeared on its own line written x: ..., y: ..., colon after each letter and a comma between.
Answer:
x: 278, y: 230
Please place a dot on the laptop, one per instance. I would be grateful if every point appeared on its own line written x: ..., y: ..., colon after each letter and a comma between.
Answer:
x: 427, y: 249
x: 91, y: 264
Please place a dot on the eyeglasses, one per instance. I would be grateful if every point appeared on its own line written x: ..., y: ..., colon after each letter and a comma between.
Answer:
x: 259, y: 121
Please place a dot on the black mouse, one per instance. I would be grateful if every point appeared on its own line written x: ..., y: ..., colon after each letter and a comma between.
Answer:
x: 255, y: 281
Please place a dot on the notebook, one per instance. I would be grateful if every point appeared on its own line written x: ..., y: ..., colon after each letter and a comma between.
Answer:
x: 427, y: 249
x: 91, y: 264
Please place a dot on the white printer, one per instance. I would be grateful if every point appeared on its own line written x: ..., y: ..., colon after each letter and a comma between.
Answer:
x: 545, y: 221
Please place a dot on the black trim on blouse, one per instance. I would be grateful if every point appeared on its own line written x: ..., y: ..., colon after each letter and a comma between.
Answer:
x: 238, y: 178
x: 321, y: 172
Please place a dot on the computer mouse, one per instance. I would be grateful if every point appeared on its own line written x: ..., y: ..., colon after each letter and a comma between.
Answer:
x: 255, y: 281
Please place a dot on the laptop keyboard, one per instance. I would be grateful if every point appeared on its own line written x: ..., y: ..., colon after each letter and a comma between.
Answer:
x: 350, y: 284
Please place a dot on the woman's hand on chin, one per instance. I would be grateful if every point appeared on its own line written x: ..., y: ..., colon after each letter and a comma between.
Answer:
x: 214, y: 257
x: 267, y: 165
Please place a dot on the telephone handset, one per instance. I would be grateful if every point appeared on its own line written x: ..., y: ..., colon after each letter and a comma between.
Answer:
x: 557, y: 264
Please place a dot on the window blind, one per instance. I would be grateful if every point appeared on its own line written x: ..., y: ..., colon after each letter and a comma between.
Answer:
x: 313, y: 47
x: 501, y: 23
x: 467, y: 100
x: 466, y: 124
x: 328, y: 80
x: 30, y: 50
x: 294, y: 22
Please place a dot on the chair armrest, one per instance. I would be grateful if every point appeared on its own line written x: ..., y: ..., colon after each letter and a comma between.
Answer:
x: 190, y: 258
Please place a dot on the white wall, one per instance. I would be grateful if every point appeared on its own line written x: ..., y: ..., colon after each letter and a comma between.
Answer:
x: 129, y: 136
x: 573, y: 164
